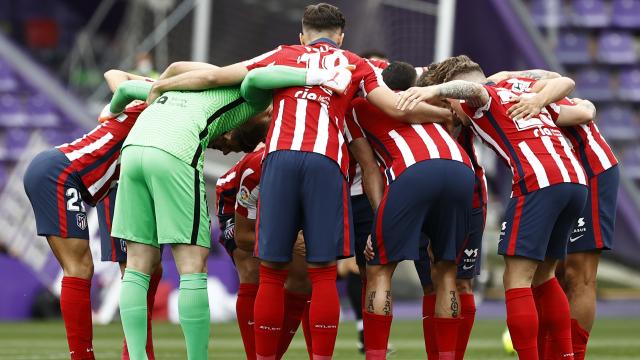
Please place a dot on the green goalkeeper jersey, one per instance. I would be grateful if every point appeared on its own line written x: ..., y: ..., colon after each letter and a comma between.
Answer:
x: 183, y: 122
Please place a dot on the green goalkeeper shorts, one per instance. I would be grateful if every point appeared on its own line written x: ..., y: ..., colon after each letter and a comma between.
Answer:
x: 161, y: 200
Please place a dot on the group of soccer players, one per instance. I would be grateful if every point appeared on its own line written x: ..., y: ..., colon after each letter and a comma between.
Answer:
x: 287, y: 210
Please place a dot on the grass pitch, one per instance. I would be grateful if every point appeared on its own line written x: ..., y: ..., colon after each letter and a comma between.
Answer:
x: 611, y: 339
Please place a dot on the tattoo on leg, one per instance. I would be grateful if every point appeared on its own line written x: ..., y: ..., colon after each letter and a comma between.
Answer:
x: 454, y: 304
x: 387, y: 304
x: 372, y: 296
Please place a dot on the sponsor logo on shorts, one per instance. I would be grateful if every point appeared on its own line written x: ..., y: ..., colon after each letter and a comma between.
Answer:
x: 572, y: 239
x: 471, y: 252
x: 580, y: 228
x: 81, y: 220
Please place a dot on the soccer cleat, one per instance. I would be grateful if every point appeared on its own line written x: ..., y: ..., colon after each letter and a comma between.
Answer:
x: 507, y: 343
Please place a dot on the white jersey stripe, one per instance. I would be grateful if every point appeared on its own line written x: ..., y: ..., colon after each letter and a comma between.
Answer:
x: 340, y: 145
x: 487, y: 138
x: 93, y: 189
x: 538, y: 169
x: 582, y: 177
x: 76, y: 154
x: 323, y: 131
x: 405, y: 150
x: 301, y: 117
x: 548, y: 144
x: 431, y: 146
x: 597, y: 149
x: 223, y: 180
x: 273, y: 145
x: 453, y: 147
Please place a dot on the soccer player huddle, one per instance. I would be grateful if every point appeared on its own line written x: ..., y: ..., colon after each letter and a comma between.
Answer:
x: 414, y: 190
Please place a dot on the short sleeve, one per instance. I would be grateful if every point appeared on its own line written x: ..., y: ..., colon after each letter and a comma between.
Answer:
x: 352, y: 126
x: 263, y: 60
x: 248, y: 194
x: 371, y: 76
x: 554, y: 108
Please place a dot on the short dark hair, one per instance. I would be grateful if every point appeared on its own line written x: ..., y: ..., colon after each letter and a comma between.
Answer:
x: 250, y: 134
x: 399, y: 75
x: 322, y: 17
x: 371, y: 53
x: 448, y: 69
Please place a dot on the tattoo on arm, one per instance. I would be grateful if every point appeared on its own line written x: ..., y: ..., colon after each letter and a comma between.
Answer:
x: 387, y: 304
x: 454, y: 304
x: 458, y: 89
x: 535, y: 74
x: 371, y: 297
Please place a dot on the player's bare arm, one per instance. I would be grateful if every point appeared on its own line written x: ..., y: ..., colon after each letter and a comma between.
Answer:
x: 116, y: 77
x: 534, y: 74
x: 386, y: 100
x: 180, y: 67
x: 372, y: 180
x: 474, y: 94
x: 581, y: 113
x: 245, y: 233
x: 547, y: 91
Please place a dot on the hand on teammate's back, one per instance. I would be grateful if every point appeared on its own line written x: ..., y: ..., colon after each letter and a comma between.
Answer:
x: 368, y: 250
x: 525, y: 107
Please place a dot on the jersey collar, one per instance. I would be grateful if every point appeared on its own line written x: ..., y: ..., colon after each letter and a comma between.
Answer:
x: 323, y: 40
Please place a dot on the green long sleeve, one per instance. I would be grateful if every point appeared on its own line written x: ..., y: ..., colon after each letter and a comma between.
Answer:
x: 257, y: 85
x: 127, y: 92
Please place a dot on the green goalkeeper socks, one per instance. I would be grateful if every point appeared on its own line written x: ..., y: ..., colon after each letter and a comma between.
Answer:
x: 133, y: 312
x: 193, y: 309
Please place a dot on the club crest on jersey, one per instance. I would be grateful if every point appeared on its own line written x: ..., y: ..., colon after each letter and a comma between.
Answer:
x: 81, y: 220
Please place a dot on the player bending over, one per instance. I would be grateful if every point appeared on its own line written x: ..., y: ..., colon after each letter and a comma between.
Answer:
x: 58, y: 182
x: 430, y: 189
x: 162, y: 181
x: 549, y: 190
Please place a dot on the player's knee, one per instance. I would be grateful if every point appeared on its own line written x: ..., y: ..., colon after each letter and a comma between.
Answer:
x: 80, y: 269
x: 298, y: 284
x: 577, y: 279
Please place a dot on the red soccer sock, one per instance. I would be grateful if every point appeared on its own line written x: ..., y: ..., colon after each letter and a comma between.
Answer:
x: 468, y: 315
x: 306, y: 329
x: 324, y: 312
x: 377, y: 327
x: 579, y: 337
x: 268, y: 312
x: 555, y: 318
x: 244, y: 313
x: 446, y: 337
x: 75, y: 303
x: 428, y: 326
x: 294, y: 305
x: 522, y: 320
x: 544, y: 345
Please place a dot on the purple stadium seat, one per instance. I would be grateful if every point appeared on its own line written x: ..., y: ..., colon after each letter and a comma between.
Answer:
x: 590, y: 13
x: 11, y: 111
x: 617, y: 47
x: 573, y: 48
x: 41, y: 112
x: 626, y: 13
x: 15, y: 140
x: 544, y: 14
x: 618, y: 123
x: 8, y: 80
x: 594, y: 85
x: 631, y: 161
x: 629, y: 89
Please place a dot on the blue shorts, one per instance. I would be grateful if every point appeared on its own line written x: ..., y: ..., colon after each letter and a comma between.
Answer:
x: 112, y: 249
x: 303, y: 191
x: 362, y: 222
x: 227, y: 233
x: 594, y: 228
x: 433, y: 197
x: 55, y: 193
x: 538, y: 224
x: 468, y: 260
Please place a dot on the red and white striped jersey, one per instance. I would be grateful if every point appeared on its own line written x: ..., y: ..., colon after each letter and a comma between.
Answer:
x: 480, y: 196
x: 590, y: 147
x: 249, y: 169
x: 235, y: 189
x: 399, y: 145
x: 311, y: 118
x: 354, y: 132
x: 534, y: 149
x: 94, y: 156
